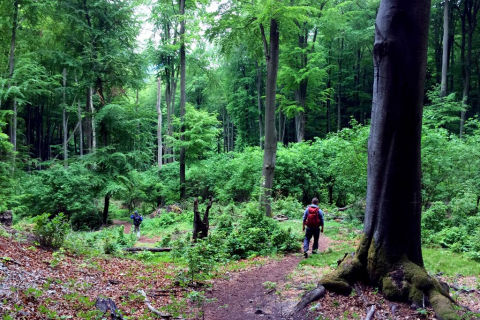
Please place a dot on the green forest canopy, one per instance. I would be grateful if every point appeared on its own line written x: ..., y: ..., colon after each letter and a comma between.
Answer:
x: 79, y: 125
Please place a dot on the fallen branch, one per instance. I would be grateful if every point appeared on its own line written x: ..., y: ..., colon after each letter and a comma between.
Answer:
x: 136, y: 249
x: 313, y: 295
x: 280, y: 217
x: 152, y: 309
x: 345, y: 208
x: 370, y: 313
x: 10, y: 260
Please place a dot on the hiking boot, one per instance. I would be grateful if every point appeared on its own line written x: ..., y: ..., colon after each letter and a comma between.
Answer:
x: 305, y: 254
x: 314, y: 252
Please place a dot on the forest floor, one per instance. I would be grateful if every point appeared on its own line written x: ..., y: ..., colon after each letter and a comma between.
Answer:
x: 36, y: 283
x: 271, y: 291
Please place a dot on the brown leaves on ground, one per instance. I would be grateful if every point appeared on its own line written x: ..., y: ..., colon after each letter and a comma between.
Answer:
x: 40, y: 284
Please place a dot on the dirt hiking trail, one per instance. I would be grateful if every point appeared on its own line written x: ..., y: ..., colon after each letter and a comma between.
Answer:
x: 128, y: 227
x: 245, y: 297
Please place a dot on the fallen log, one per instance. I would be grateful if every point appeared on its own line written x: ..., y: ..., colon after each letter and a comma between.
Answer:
x: 136, y: 249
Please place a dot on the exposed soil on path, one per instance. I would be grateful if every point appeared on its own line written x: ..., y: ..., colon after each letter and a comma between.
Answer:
x: 128, y: 228
x: 244, y: 296
x: 127, y: 225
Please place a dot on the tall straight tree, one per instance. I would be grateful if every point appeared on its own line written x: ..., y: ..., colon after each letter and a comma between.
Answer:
x: 11, y: 69
x: 64, y: 118
x: 159, y: 122
x: 182, y: 96
x: 390, y: 255
x: 469, y: 23
x: 271, y: 49
x: 446, y: 33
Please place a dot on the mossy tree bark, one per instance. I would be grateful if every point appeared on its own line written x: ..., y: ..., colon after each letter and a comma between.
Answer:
x: 389, y: 255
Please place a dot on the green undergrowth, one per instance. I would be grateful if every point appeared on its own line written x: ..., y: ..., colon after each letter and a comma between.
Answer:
x: 449, y: 263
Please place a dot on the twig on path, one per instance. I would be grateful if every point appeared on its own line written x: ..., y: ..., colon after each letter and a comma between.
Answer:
x: 370, y: 313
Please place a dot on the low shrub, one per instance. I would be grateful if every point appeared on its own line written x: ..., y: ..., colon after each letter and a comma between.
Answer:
x: 256, y: 234
x: 288, y: 206
x: 50, y: 232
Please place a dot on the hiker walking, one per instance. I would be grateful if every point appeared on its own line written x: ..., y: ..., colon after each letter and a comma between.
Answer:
x: 137, y: 220
x: 312, y: 220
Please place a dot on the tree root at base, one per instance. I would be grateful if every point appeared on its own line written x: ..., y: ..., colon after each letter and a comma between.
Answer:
x: 403, y: 281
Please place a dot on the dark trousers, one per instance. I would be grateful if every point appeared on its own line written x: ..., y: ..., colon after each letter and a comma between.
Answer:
x: 309, y: 233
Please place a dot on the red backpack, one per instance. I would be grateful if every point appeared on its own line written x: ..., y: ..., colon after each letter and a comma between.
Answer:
x: 313, y: 220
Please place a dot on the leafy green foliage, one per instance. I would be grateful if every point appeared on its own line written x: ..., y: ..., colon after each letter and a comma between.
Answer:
x: 5, y: 171
x: 256, y: 234
x: 200, y: 135
x: 50, y: 232
x: 71, y: 190
x: 107, y: 240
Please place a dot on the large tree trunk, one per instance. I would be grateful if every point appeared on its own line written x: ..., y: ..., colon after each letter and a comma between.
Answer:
x: 270, y: 152
x: 159, y: 122
x: 182, y: 97
x: 389, y: 255
x: 64, y: 119
x: 446, y: 16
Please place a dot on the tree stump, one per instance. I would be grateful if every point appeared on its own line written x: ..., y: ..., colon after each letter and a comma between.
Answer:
x: 6, y: 218
x: 200, y: 226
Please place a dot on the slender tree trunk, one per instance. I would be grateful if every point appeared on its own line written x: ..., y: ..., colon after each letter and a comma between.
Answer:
x: 339, y: 92
x: 469, y: 17
x: 11, y: 69
x: 301, y: 96
x: 451, y: 50
x: 270, y: 152
x: 14, y: 127
x: 259, y: 106
x: 80, y: 124
x: 328, y: 105
x: 159, y: 122
x: 92, y: 110
x: 106, y: 205
x: 64, y: 119
x: 446, y: 16
x: 465, y: 77
x: 182, y: 97
x: 168, y: 98
x: 389, y: 255
x: 80, y: 128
